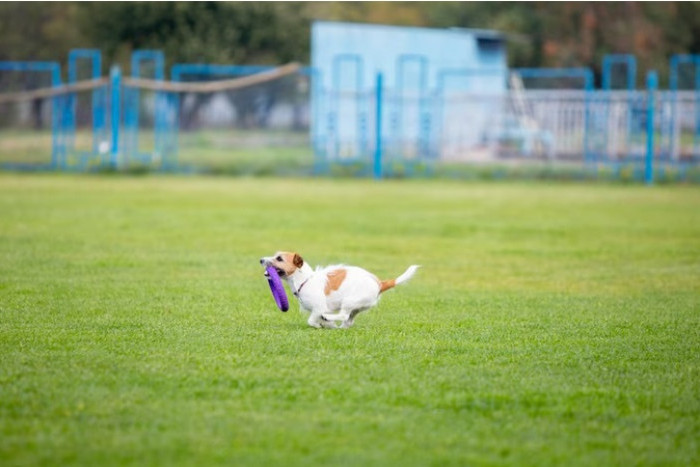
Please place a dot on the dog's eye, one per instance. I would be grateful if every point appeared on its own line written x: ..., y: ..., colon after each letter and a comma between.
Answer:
x: 279, y: 258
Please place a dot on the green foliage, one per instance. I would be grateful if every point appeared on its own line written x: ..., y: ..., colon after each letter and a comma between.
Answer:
x: 206, y: 32
x: 39, y: 30
x: 539, y: 33
x: 549, y: 324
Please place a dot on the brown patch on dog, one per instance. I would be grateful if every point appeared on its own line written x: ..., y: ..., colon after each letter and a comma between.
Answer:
x: 386, y: 285
x: 335, y: 279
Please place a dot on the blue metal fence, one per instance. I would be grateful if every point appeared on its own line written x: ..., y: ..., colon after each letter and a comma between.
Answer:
x: 398, y: 128
x: 115, y: 82
x: 137, y: 148
x: 676, y: 126
x: 629, y: 65
x: 75, y: 155
x: 57, y: 150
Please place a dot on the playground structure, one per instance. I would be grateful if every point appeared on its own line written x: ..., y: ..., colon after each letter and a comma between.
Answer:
x: 417, y: 121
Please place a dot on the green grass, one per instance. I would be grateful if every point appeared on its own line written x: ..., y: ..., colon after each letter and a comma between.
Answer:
x: 25, y: 146
x: 550, y: 324
x: 283, y: 153
x: 246, y: 151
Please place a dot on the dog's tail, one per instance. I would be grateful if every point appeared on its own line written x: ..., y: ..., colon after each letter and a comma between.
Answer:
x: 391, y: 283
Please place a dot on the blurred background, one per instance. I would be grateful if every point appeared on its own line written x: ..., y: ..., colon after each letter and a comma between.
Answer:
x: 459, y: 89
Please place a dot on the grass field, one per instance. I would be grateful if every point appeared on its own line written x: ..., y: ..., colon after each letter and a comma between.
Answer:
x: 551, y: 324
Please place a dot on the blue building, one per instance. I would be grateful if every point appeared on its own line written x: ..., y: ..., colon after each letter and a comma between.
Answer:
x: 423, y: 70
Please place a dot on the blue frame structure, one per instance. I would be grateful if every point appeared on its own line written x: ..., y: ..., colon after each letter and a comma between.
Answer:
x: 678, y: 60
x: 57, y: 104
x: 674, y: 65
x: 132, y: 100
x: 350, y: 54
x: 439, y: 94
x: 397, y: 114
x: 339, y: 61
x: 99, y: 106
x: 396, y: 122
x: 630, y: 62
x: 586, y: 74
x: 634, y: 132
x: 178, y: 70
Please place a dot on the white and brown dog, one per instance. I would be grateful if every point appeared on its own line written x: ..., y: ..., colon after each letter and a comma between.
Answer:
x: 333, y: 293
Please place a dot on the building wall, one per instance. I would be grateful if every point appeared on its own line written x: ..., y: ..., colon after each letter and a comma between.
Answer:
x: 380, y: 49
x: 415, y: 63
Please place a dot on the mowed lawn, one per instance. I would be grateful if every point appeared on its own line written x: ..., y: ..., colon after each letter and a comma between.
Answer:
x: 550, y: 324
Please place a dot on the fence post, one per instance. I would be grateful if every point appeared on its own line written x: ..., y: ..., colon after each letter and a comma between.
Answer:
x: 58, y: 107
x: 115, y: 75
x: 589, y: 85
x: 378, y: 130
x: 652, y: 85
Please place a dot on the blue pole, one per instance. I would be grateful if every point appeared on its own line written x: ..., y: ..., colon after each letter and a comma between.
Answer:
x: 696, y: 148
x: 378, y: 131
x: 652, y: 86
x: 98, y: 116
x: 587, y: 117
x: 57, y: 114
x: 116, y: 81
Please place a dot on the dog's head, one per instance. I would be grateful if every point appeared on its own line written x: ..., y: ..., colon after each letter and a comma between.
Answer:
x: 284, y: 262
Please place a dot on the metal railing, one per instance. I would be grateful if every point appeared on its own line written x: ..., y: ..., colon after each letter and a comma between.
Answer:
x: 263, y: 119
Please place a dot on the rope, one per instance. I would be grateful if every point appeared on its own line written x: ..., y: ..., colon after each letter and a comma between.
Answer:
x: 154, y: 85
x: 53, y: 91
x: 213, y: 86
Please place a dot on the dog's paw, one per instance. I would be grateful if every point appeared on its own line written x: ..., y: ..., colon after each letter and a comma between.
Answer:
x: 328, y: 324
x: 315, y: 322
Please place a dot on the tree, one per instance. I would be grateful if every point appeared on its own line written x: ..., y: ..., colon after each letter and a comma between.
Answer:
x: 539, y: 34
x: 38, y: 31
x: 205, y: 32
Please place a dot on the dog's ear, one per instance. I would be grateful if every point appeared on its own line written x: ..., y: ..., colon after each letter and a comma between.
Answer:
x: 298, y: 260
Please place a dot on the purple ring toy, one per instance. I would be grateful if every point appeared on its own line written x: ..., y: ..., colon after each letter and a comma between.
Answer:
x: 277, y: 288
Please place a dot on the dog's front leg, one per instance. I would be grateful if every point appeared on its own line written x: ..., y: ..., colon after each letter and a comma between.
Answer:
x: 317, y: 320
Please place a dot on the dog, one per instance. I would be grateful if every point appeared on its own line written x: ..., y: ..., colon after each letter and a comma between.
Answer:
x: 332, y: 293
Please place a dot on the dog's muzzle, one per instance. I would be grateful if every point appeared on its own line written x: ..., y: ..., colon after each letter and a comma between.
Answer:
x: 265, y: 263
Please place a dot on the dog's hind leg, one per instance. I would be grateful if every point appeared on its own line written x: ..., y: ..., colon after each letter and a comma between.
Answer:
x: 342, y: 315
x: 350, y: 320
